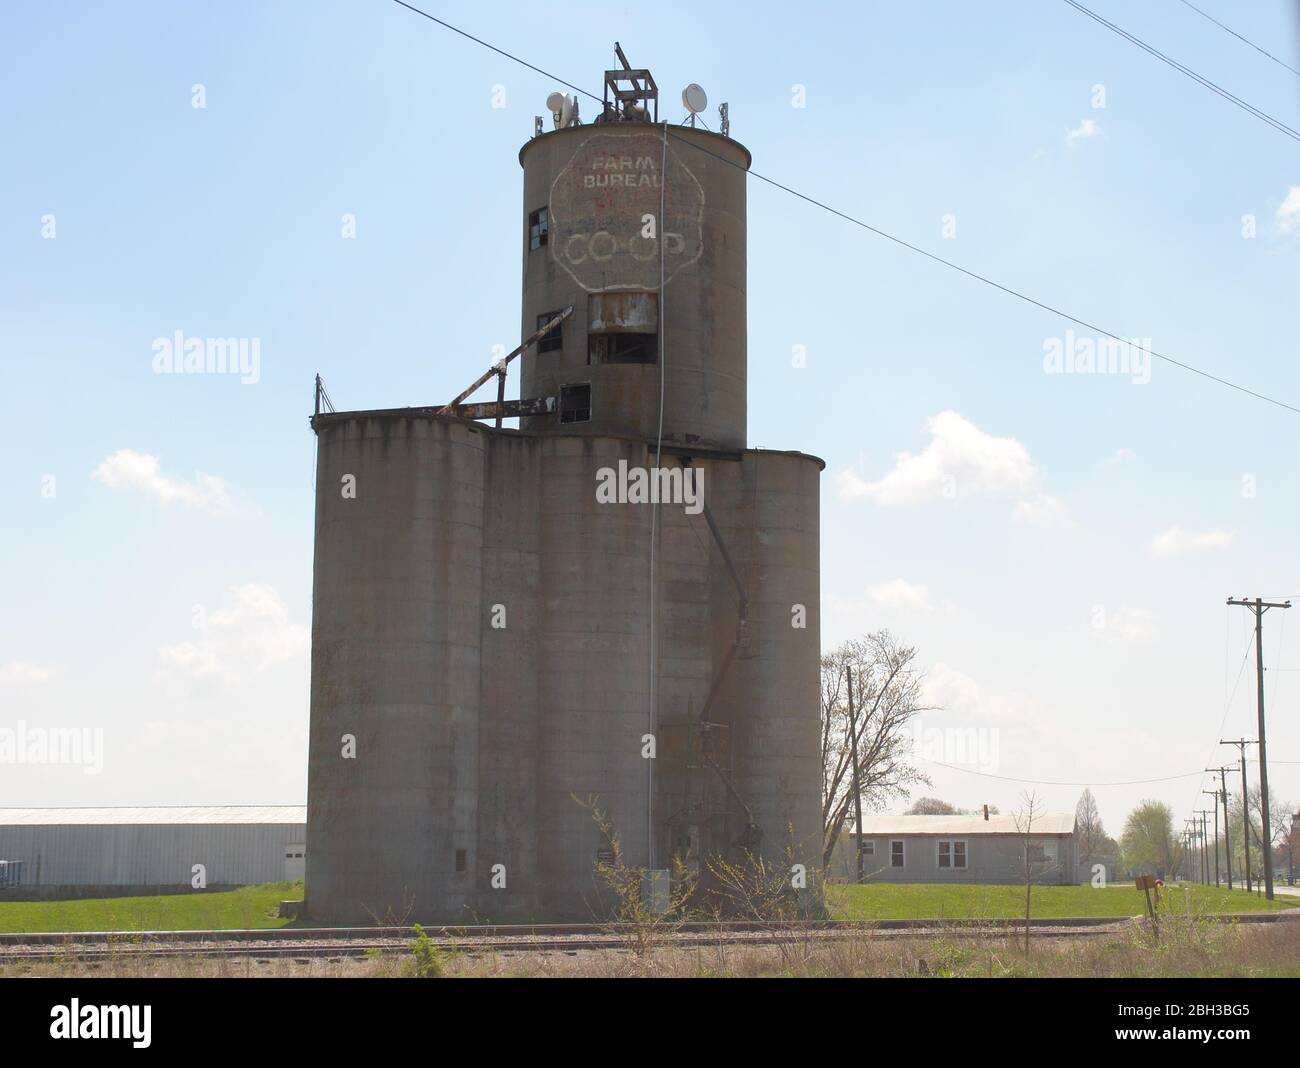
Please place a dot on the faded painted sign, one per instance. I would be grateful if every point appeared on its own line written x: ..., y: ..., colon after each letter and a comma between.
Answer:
x: 604, y: 213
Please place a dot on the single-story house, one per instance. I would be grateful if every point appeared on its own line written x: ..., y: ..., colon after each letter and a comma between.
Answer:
x: 961, y: 849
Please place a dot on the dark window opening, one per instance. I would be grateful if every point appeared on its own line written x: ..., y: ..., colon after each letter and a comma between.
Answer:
x: 575, y: 403
x: 553, y: 339
x: 622, y: 348
x: 539, y: 227
x: 895, y: 854
x: 461, y: 860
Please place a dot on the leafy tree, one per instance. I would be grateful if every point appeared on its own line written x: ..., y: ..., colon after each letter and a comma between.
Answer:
x: 1147, y: 843
x: 932, y: 806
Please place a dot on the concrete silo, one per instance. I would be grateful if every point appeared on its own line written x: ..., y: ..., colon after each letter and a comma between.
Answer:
x: 496, y: 637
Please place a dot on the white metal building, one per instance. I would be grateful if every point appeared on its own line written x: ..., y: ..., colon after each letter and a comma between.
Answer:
x: 118, y: 850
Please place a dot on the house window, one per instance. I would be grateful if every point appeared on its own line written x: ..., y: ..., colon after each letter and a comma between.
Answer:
x: 896, y: 853
x: 575, y: 403
x: 952, y: 854
x: 460, y: 860
x: 539, y: 227
x: 867, y: 847
x: 553, y: 339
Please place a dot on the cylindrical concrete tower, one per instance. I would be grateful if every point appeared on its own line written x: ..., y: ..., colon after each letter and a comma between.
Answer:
x: 602, y: 229
x: 498, y: 643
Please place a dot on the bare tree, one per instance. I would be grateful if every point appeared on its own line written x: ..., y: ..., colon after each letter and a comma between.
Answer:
x: 886, y: 696
x: 1030, y: 809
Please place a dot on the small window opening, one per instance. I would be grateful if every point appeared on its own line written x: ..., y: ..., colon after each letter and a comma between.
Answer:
x: 622, y: 348
x: 575, y: 403
x: 539, y: 227
x: 461, y: 860
x: 553, y: 339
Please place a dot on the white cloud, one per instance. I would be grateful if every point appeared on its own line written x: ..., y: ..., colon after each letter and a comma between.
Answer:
x: 1128, y: 625
x: 964, y: 700
x: 1120, y: 456
x: 1087, y: 128
x: 960, y: 461
x: 24, y: 672
x: 128, y: 469
x: 900, y: 594
x: 250, y: 633
x: 1049, y: 513
x: 1288, y: 212
x: 1177, y: 541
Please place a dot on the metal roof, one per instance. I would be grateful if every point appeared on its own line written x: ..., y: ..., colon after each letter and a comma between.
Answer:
x: 176, y: 814
x: 1047, y: 823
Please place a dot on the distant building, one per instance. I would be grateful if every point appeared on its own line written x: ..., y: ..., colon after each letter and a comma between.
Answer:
x: 961, y: 849
x: 85, y: 852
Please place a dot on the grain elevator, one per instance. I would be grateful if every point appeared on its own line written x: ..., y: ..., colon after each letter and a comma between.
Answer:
x: 615, y: 604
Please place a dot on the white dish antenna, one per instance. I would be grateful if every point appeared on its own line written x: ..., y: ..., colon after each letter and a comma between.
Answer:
x: 694, y: 99
x: 566, y: 112
x: 555, y: 105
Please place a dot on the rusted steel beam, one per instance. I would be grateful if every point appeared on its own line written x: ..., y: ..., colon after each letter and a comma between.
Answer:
x: 510, y: 409
x: 500, y: 368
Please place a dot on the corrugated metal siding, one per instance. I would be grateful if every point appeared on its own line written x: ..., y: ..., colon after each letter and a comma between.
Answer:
x: 172, y: 814
x: 149, y: 855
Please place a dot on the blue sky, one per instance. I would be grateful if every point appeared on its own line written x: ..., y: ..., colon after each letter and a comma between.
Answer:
x: 1066, y: 493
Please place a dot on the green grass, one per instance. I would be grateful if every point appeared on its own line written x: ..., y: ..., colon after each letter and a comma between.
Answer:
x: 248, y: 908
x: 928, y: 901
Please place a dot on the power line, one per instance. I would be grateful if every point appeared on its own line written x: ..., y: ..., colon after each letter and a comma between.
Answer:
x: 890, y: 237
x: 1277, y: 124
x: 1235, y: 34
x: 1047, y: 782
x: 493, y: 48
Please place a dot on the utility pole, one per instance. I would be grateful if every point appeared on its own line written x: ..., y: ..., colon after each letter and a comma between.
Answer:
x: 1227, y: 837
x: 1215, y: 794
x: 1205, y: 844
x: 1241, y: 744
x: 857, y: 787
x: 1259, y: 607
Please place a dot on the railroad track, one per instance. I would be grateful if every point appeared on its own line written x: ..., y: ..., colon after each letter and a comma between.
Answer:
x: 308, y: 943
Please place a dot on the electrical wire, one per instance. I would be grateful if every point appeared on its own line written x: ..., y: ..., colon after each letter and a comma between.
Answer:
x: 1250, y: 109
x: 890, y: 237
x: 1235, y: 34
x: 1048, y: 782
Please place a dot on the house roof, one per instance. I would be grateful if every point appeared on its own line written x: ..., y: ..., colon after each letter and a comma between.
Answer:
x: 174, y: 814
x: 1048, y: 823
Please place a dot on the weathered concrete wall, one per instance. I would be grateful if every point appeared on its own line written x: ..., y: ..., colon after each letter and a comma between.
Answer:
x: 396, y: 617
x: 479, y: 737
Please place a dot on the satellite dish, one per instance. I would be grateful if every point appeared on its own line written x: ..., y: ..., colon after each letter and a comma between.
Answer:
x: 555, y: 104
x: 694, y: 99
x: 566, y: 112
